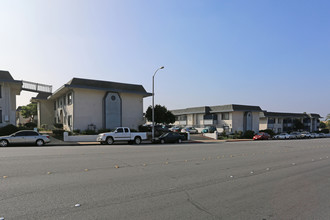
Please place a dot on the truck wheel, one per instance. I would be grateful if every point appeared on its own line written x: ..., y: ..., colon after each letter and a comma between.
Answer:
x: 3, y: 143
x: 109, y: 140
x: 137, y: 140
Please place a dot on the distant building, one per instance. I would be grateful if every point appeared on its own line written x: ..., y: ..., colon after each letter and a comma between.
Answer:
x: 92, y: 104
x: 285, y: 122
x: 229, y: 118
x: 9, y: 88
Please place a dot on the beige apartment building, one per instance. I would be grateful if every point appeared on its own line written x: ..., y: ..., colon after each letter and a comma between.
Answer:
x: 86, y: 104
x: 285, y: 122
x: 229, y: 118
x: 9, y: 88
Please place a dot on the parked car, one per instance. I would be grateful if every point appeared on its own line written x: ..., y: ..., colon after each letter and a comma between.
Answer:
x: 284, y: 136
x: 175, y: 129
x: 321, y: 135
x: 191, y: 130
x: 306, y: 134
x: 161, y: 128
x: 121, y: 134
x: 24, y: 137
x: 296, y: 134
x: 170, y: 137
x: 312, y: 135
x: 316, y: 135
x: 261, y: 136
x: 209, y: 129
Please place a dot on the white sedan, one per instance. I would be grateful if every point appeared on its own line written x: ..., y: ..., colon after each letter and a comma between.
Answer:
x: 284, y: 136
x: 191, y: 130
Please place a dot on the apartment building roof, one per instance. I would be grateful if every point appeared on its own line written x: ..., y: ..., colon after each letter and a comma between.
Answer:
x: 234, y: 107
x: 290, y: 115
x: 104, y: 85
x: 216, y: 109
x: 5, y: 76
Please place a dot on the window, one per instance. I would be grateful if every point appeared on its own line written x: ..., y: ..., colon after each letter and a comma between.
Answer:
x: 0, y: 116
x: 210, y: 117
x: 69, y: 98
x: 271, y: 120
x: 64, y: 100
x: 0, y: 92
x: 70, y: 120
x: 225, y: 116
x: 126, y: 130
x: 55, y: 105
x: 182, y: 117
x: 279, y: 121
x: 120, y: 130
x: 21, y: 133
x: 31, y: 133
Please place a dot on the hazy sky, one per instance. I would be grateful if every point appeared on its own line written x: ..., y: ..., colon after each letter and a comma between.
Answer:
x: 270, y: 53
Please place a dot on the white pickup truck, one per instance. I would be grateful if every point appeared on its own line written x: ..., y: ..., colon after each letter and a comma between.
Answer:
x: 121, y: 134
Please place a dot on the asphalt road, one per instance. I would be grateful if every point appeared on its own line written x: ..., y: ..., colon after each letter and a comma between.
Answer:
x: 239, y: 180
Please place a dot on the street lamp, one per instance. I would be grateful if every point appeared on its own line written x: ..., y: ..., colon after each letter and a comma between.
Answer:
x: 153, y: 102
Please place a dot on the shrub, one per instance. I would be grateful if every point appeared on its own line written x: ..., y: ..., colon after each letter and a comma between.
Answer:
x: 44, y: 126
x: 248, y: 134
x: 144, y: 128
x: 76, y: 131
x: 30, y: 125
x: 58, y: 132
x: 89, y: 132
x: 325, y: 130
x: 8, y: 129
x: 59, y: 126
x: 103, y: 131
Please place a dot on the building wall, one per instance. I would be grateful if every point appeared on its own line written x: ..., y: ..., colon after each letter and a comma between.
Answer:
x: 8, y: 103
x: 237, y: 121
x: 263, y: 123
x: 87, y: 109
x: 255, y: 121
x: 132, y: 110
x: 45, y: 114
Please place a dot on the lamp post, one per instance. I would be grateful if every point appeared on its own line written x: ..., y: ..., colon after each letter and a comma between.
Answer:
x: 153, y: 102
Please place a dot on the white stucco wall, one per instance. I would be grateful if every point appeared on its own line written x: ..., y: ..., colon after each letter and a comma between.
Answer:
x: 45, y: 113
x: 255, y: 122
x: 8, y: 102
x: 237, y: 121
x: 87, y: 108
x: 190, y: 120
x: 263, y: 123
x: 132, y: 110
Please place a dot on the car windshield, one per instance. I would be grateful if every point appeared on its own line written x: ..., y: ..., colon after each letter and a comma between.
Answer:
x: 164, y: 135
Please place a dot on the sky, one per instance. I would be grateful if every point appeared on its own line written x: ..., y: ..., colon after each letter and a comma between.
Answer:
x: 271, y: 53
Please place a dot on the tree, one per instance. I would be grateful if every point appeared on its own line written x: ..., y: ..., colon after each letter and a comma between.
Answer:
x: 29, y: 111
x: 297, y: 125
x: 322, y: 125
x: 162, y: 115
